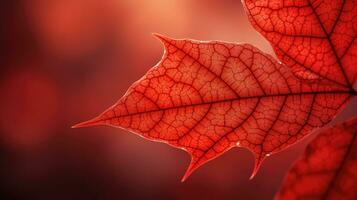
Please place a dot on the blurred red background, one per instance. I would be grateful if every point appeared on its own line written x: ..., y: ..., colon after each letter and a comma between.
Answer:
x: 65, y: 61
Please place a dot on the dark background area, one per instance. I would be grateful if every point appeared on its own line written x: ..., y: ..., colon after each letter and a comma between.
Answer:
x: 65, y: 61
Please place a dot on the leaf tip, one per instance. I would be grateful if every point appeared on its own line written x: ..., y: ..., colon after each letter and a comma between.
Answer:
x: 257, y: 164
x: 184, y: 178
x: 187, y: 173
x: 191, y: 168
x: 164, y: 39
x: 91, y: 122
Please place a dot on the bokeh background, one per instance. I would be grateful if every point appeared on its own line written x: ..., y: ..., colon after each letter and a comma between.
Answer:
x: 65, y: 61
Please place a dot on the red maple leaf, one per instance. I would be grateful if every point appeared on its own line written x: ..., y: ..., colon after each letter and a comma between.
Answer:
x: 208, y: 97
x: 327, y: 170
x: 316, y: 38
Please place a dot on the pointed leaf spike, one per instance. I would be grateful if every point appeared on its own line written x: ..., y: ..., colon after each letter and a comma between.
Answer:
x: 257, y: 164
x: 92, y: 122
x: 186, y: 175
x: 161, y: 37
x: 191, y: 168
